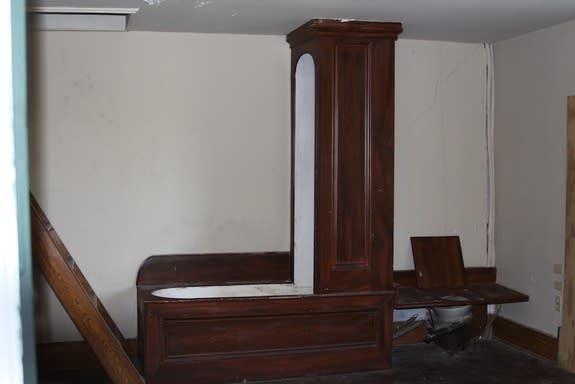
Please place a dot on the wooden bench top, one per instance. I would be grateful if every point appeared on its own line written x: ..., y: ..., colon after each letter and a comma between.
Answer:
x: 478, y: 293
x: 441, y: 280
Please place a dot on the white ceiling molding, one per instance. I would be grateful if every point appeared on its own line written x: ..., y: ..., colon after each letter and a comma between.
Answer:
x: 79, y: 18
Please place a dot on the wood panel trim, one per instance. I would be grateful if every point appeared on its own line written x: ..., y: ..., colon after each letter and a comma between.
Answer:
x: 352, y: 253
x: 473, y: 275
x: 566, y: 354
x: 262, y: 268
x: 525, y: 337
x: 216, y: 269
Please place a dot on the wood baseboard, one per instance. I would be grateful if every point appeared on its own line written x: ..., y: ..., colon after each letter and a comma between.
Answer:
x: 72, y: 355
x: 526, y: 338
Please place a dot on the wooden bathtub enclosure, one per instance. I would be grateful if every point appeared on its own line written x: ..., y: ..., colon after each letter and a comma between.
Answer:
x: 227, y: 340
x: 343, y: 200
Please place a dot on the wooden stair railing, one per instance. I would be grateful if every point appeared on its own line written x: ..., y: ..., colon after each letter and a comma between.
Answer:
x: 79, y: 299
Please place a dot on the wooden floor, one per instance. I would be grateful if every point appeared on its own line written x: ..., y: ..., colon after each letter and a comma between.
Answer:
x: 483, y: 362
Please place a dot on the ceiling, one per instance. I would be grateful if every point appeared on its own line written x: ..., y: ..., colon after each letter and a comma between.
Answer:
x: 453, y: 20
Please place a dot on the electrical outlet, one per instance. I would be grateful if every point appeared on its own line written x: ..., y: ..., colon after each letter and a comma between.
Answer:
x: 558, y: 269
x: 557, y: 303
x: 557, y: 285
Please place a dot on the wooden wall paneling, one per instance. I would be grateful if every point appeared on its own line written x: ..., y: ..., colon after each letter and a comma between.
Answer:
x: 566, y: 355
x: 352, y: 148
x: 236, y: 339
x: 216, y: 269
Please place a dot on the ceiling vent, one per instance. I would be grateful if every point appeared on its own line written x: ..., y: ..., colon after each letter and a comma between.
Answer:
x: 79, y: 18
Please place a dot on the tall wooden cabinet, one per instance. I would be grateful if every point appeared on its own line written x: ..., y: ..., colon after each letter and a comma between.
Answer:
x: 354, y: 150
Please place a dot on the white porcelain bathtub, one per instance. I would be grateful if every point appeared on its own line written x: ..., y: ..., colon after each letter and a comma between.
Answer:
x: 232, y: 291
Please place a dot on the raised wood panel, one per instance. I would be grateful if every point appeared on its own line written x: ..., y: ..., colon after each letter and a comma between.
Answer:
x: 352, y: 157
x: 257, y: 334
x: 325, y: 199
x: 229, y: 340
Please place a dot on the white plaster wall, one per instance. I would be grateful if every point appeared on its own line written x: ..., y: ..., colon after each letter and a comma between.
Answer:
x: 155, y: 143
x: 441, y: 158
x: 534, y: 74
